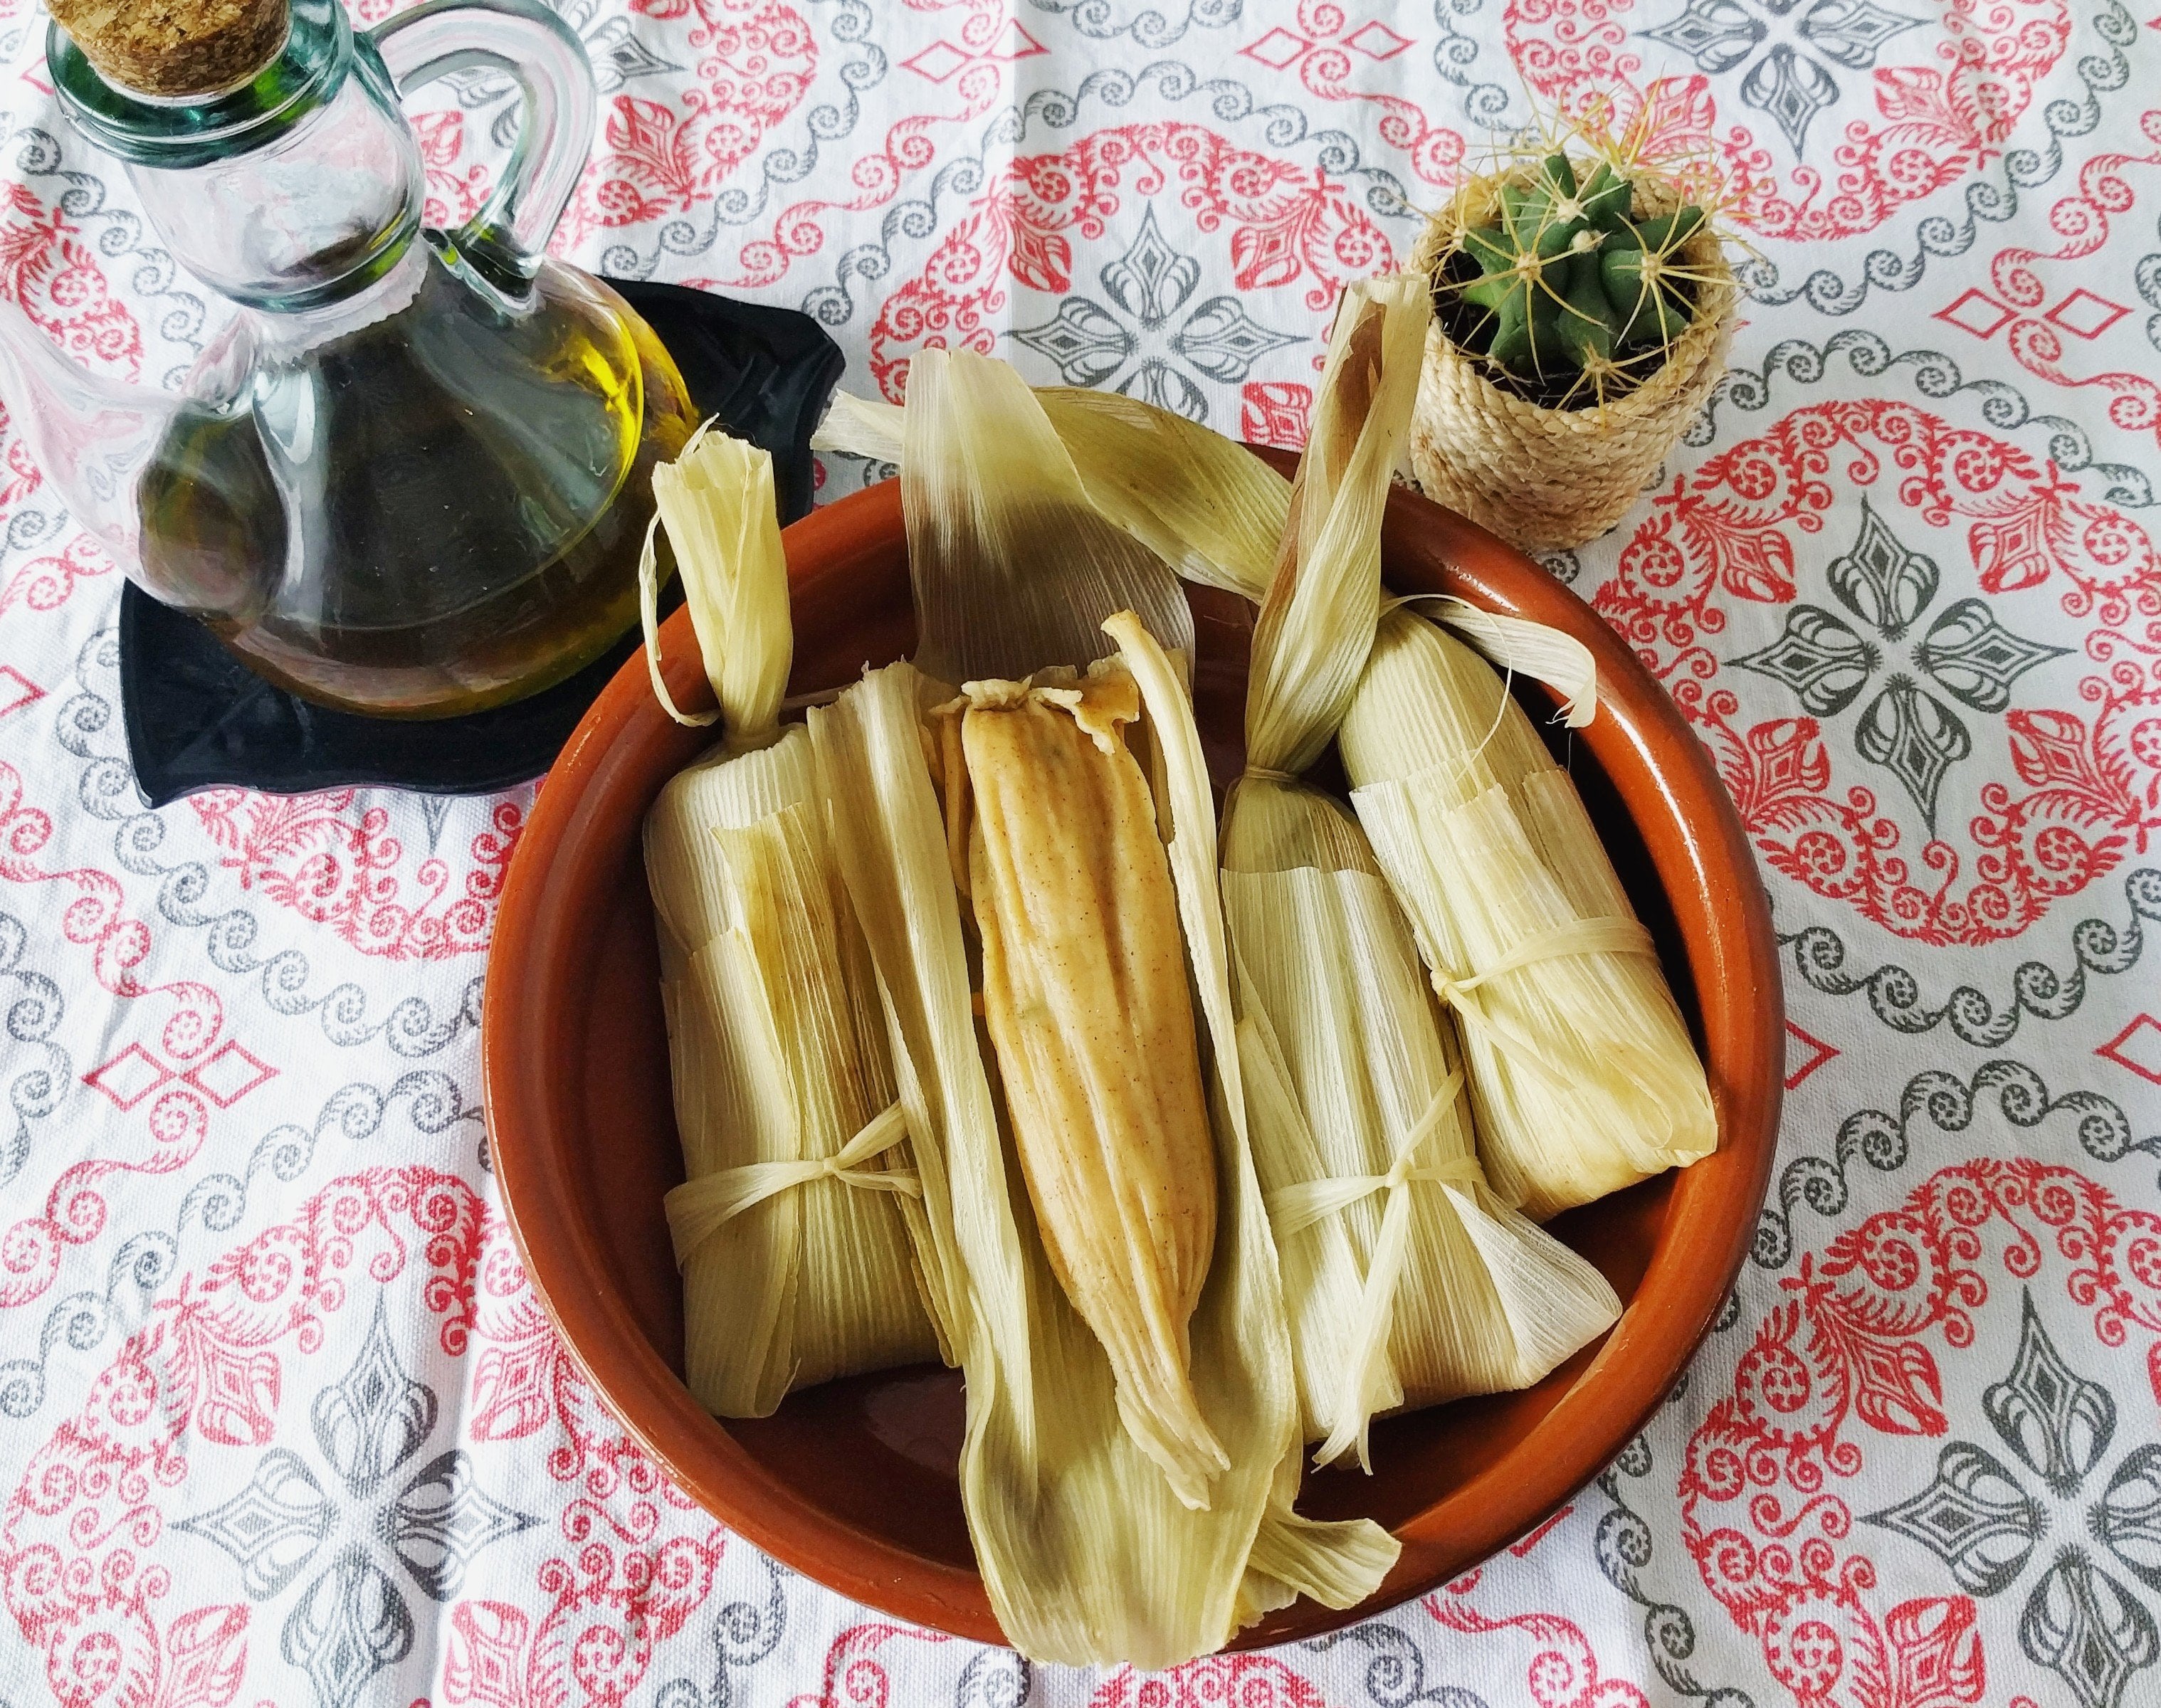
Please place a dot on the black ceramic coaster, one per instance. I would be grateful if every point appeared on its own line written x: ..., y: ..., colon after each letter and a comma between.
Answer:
x: 198, y: 718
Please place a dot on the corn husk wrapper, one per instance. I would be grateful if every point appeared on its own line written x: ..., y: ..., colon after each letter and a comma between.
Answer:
x: 1088, y: 1555
x: 887, y: 840
x: 791, y: 1228
x: 866, y: 427
x: 1358, y: 1113
x: 716, y: 502
x: 998, y: 594
x: 1407, y: 1282
x: 1581, y: 1071
x: 1203, y: 503
x: 1055, y: 843
x: 1090, y: 1551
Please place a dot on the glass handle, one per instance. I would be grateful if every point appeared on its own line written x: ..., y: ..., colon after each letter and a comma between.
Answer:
x: 526, y: 39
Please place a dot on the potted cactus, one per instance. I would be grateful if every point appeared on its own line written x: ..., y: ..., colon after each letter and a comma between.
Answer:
x: 1582, y: 310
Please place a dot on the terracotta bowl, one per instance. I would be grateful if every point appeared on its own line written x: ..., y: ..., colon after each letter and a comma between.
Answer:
x: 853, y: 1483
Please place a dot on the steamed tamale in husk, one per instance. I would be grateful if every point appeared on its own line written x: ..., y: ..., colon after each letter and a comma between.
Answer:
x: 1052, y: 835
x: 790, y: 1227
x: 1131, y: 1455
x: 1084, y: 991
x: 1581, y: 1071
x: 1408, y: 1281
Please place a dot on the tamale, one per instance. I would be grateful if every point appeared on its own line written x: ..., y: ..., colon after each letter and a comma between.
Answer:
x: 1054, y: 838
x: 1362, y: 1135
x: 1084, y: 991
x: 1581, y: 1071
x: 1407, y: 1281
x: 791, y: 1226
x: 1088, y: 1555
x: 1089, y: 1551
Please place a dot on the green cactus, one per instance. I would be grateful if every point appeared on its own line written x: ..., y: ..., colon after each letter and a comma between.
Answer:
x: 1568, y: 283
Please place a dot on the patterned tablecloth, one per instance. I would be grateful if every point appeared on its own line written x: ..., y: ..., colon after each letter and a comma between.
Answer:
x: 284, y: 1421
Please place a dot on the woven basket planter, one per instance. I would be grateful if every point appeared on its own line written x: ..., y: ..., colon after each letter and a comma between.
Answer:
x: 1543, y: 478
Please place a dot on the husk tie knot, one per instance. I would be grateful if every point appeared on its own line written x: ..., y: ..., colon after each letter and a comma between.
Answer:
x: 1612, y: 935
x: 699, y: 1209
x: 1293, y: 1207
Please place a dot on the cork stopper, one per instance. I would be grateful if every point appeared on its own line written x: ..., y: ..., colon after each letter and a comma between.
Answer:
x: 175, y: 48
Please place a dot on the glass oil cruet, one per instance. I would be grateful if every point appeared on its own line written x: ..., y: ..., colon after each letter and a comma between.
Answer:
x: 412, y: 475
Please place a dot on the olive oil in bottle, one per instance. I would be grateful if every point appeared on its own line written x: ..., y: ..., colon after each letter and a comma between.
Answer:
x: 411, y: 476
x: 436, y: 512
